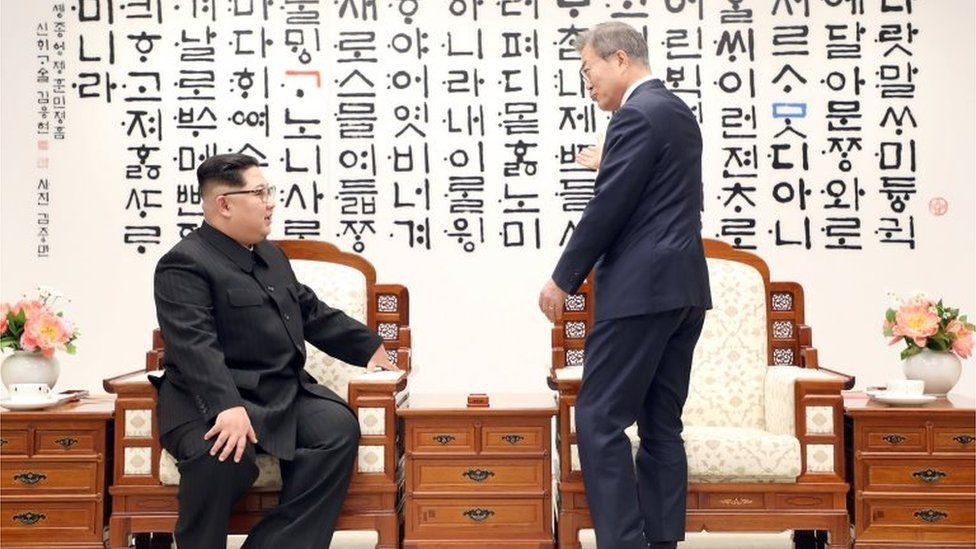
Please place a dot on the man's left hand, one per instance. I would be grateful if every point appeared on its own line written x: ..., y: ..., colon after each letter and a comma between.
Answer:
x: 551, y: 300
x: 379, y: 361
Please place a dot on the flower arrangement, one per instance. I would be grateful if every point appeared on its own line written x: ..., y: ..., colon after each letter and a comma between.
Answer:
x: 36, y: 325
x: 922, y: 323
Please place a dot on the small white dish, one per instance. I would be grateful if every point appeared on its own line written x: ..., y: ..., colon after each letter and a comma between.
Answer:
x: 902, y: 399
x: 35, y: 403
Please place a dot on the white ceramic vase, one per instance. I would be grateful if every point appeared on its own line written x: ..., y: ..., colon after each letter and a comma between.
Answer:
x: 940, y: 370
x: 29, y: 367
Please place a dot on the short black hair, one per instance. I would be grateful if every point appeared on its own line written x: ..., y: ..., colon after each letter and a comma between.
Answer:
x: 223, y: 168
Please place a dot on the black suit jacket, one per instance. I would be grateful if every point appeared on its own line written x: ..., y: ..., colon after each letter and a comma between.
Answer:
x: 235, y: 325
x: 642, y: 228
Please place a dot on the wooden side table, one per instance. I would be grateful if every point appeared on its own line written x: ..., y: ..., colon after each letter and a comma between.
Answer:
x: 52, y: 475
x: 478, y: 477
x: 913, y: 472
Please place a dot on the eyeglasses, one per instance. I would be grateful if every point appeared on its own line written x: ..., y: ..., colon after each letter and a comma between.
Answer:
x: 584, y: 72
x: 264, y: 193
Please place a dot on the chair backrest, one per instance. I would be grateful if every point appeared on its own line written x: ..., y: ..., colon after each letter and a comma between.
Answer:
x: 729, y: 364
x: 343, y: 281
x: 754, y: 322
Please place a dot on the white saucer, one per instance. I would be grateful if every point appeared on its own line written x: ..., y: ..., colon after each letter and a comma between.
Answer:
x: 903, y: 399
x: 37, y: 403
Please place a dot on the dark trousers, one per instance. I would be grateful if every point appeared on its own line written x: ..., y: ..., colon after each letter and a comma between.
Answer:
x: 314, y: 484
x: 637, y: 369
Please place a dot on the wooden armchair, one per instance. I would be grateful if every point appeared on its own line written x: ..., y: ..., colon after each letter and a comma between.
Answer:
x: 762, y: 423
x: 146, y: 478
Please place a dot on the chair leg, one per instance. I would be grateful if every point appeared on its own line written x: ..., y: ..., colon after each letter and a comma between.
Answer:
x: 118, y: 533
x: 839, y: 535
x: 387, y: 532
x: 568, y: 531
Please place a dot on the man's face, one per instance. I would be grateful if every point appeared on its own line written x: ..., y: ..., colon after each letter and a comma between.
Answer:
x: 604, y: 78
x: 248, y: 209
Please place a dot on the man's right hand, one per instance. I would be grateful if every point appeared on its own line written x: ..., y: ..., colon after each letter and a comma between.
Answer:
x: 233, y: 430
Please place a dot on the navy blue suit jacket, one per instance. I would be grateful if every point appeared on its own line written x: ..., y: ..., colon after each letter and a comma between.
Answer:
x: 642, y: 228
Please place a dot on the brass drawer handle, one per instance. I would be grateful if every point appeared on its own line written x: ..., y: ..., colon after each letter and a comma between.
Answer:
x: 478, y: 514
x: 478, y: 475
x: 893, y: 439
x: 30, y: 477
x: 3, y: 441
x: 964, y: 439
x: 29, y: 518
x: 929, y: 475
x: 66, y: 442
x: 513, y: 439
x: 931, y: 515
x: 444, y: 439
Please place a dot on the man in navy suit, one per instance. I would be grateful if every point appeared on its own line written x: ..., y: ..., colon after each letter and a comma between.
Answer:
x: 641, y: 230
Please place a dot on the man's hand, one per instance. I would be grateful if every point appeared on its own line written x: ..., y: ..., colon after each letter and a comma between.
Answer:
x: 590, y: 157
x: 551, y: 300
x: 233, y: 430
x: 380, y: 361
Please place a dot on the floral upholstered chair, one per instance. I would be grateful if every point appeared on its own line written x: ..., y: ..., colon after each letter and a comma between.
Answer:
x: 762, y: 423
x: 146, y: 476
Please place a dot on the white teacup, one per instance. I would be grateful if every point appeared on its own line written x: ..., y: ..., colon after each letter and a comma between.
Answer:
x: 906, y: 386
x: 28, y: 391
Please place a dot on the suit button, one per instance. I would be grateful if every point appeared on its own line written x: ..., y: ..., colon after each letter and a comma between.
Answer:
x: 270, y: 288
x: 287, y: 317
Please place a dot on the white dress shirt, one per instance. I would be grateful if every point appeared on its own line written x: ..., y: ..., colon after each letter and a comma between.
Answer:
x: 633, y: 87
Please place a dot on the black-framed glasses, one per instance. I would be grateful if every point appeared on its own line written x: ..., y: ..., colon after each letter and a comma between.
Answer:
x: 264, y: 193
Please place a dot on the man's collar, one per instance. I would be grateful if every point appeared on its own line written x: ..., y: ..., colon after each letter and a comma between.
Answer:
x: 633, y: 87
x: 233, y: 249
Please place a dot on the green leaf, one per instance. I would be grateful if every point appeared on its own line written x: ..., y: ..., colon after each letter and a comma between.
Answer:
x: 890, y: 315
x: 70, y: 348
x: 888, y: 332
x: 911, y: 351
x: 938, y: 343
x: 8, y: 342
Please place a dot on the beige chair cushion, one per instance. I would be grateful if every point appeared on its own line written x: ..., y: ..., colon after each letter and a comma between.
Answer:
x: 736, y: 454
x: 730, y: 359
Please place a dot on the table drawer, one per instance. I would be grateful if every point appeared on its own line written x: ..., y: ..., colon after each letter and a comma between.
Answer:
x: 895, y: 439
x: 954, y: 439
x: 54, y: 520
x: 470, y: 475
x: 14, y: 442
x: 923, y: 519
x: 442, y: 437
x: 475, y: 518
x: 514, y: 439
x: 42, y: 477
x: 61, y: 442
x: 952, y: 475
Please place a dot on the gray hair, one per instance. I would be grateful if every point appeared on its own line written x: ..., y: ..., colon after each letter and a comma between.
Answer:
x: 606, y: 38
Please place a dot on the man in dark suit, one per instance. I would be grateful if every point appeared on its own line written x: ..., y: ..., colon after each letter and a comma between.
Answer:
x: 235, y: 320
x: 641, y: 230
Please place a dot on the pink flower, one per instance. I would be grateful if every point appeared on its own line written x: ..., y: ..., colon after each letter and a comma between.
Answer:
x: 916, y: 321
x: 963, y: 346
x: 962, y: 338
x: 45, y: 332
x: 31, y: 308
x: 4, y: 309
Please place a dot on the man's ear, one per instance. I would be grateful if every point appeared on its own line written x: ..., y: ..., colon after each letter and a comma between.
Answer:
x: 222, y: 205
x: 622, y: 59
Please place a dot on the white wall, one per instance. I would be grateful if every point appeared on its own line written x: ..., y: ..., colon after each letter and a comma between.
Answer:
x: 474, y: 319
